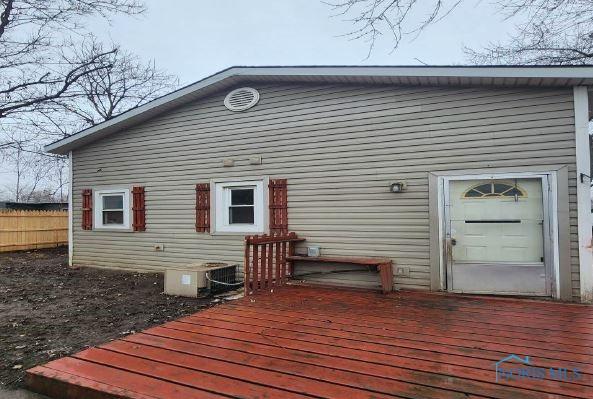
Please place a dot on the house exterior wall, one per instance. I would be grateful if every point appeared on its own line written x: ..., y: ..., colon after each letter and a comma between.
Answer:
x: 339, y: 146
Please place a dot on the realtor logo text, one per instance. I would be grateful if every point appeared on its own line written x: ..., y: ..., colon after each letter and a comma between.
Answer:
x: 521, y: 369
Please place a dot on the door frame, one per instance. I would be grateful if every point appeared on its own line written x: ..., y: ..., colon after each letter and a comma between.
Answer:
x: 550, y: 226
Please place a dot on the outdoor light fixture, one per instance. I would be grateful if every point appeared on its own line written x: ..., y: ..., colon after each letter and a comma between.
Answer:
x: 398, y: 187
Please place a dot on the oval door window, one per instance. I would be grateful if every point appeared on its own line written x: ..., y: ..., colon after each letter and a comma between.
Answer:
x: 494, y: 190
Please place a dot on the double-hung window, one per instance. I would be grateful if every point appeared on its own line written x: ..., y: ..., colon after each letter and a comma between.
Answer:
x: 239, y: 207
x: 112, y: 209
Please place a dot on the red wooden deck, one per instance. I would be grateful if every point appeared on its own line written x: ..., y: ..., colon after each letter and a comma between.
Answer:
x: 314, y: 342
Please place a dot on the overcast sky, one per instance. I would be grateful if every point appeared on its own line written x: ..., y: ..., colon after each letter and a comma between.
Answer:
x: 194, y: 39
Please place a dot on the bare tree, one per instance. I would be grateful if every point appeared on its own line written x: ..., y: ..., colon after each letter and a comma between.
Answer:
x: 100, y: 95
x: 56, y: 79
x: 105, y: 95
x: 372, y: 19
x: 37, y: 64
x: 557, y: 32
x: 35, y: 172
x: 548, y: 31
x: 128, y: 83
x: 30, y: 171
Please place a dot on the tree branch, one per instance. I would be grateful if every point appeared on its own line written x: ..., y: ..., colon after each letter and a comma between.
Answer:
x: 5, y: 16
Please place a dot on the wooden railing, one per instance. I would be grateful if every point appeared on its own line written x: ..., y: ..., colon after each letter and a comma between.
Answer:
x: 265, y: 265
x: 23, y: 230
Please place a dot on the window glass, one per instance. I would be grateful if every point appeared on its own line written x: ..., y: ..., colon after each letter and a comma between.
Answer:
x: 473, y: 193
x: 113, y: 201
x: 241, y: 215
x: 242, y: 196
x: 113, y: 217
x: 484, y: 188
x: 241, y: 207
x: 113, y: 209
x: 494, y: 190
x: 501, y: 188
x: 512, y: 192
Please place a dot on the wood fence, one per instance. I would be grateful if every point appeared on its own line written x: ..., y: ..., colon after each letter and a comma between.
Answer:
x: 23, y: 230
x: 265, y: 265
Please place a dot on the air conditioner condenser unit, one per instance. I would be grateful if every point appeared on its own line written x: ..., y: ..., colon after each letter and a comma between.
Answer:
x: 189, y: 280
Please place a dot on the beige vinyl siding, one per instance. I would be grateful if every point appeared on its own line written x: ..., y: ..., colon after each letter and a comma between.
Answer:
x: 339, y: 146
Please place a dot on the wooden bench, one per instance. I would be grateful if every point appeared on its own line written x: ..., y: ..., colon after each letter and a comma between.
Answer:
x: 384, y: 266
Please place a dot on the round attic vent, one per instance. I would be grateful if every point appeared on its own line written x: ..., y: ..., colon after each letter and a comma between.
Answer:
x: 241, y: 99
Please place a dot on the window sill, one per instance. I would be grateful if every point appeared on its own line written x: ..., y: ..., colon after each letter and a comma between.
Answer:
x: 236, y: 233
x: 112, y: 228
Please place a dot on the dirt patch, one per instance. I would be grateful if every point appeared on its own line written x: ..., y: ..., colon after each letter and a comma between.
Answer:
x: 48, y: 310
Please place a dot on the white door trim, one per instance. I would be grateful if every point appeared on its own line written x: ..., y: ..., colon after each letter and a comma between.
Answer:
x: 581, y: 122
x: 551, y: 239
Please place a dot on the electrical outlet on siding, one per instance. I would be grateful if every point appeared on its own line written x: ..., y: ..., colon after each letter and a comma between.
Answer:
x: 402, y: 271
x: 159, y: 247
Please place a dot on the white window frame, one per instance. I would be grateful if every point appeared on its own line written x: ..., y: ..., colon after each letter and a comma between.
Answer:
x: 222, y: 202
x: 98, y: 209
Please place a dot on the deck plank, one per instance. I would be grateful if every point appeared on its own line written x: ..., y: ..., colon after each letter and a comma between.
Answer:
x: 391, y: 305
x: 235, y: 370
x: 384, y: 335
x: 380, y: 313
x: 445, y: 376
x: 302, y: 342
x: 111, y: 382
x: 415, y: 330
x: 419, y: 324
x: 361, y: 352
x: 395, y: 345
x: 182, y: 376
x: 60, y: 384
x: 298, y: 363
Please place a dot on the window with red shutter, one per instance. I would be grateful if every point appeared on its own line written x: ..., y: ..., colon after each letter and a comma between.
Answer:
x: 87, y: 209
x: 138, y: 209
x: 278, y: 203
x: 203, y: 208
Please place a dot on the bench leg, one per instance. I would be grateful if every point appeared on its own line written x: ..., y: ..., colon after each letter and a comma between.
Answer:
x: 386, y: 273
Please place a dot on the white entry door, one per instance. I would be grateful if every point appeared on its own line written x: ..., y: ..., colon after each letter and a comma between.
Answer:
x: 495, y: 236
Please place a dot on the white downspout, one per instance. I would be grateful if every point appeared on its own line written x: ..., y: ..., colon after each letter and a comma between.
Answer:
x: 581, y: 120
x: 70, y: 210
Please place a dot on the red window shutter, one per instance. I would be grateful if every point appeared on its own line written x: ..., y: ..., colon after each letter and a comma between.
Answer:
x: 138, y: 209
x: 87, y: 209
x: 278, y: 203
x: 203, y: 208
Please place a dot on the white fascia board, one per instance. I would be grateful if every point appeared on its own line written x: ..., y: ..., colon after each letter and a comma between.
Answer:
x: 581, y: 120
x: 192, y: 91
x: 421, y: 71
